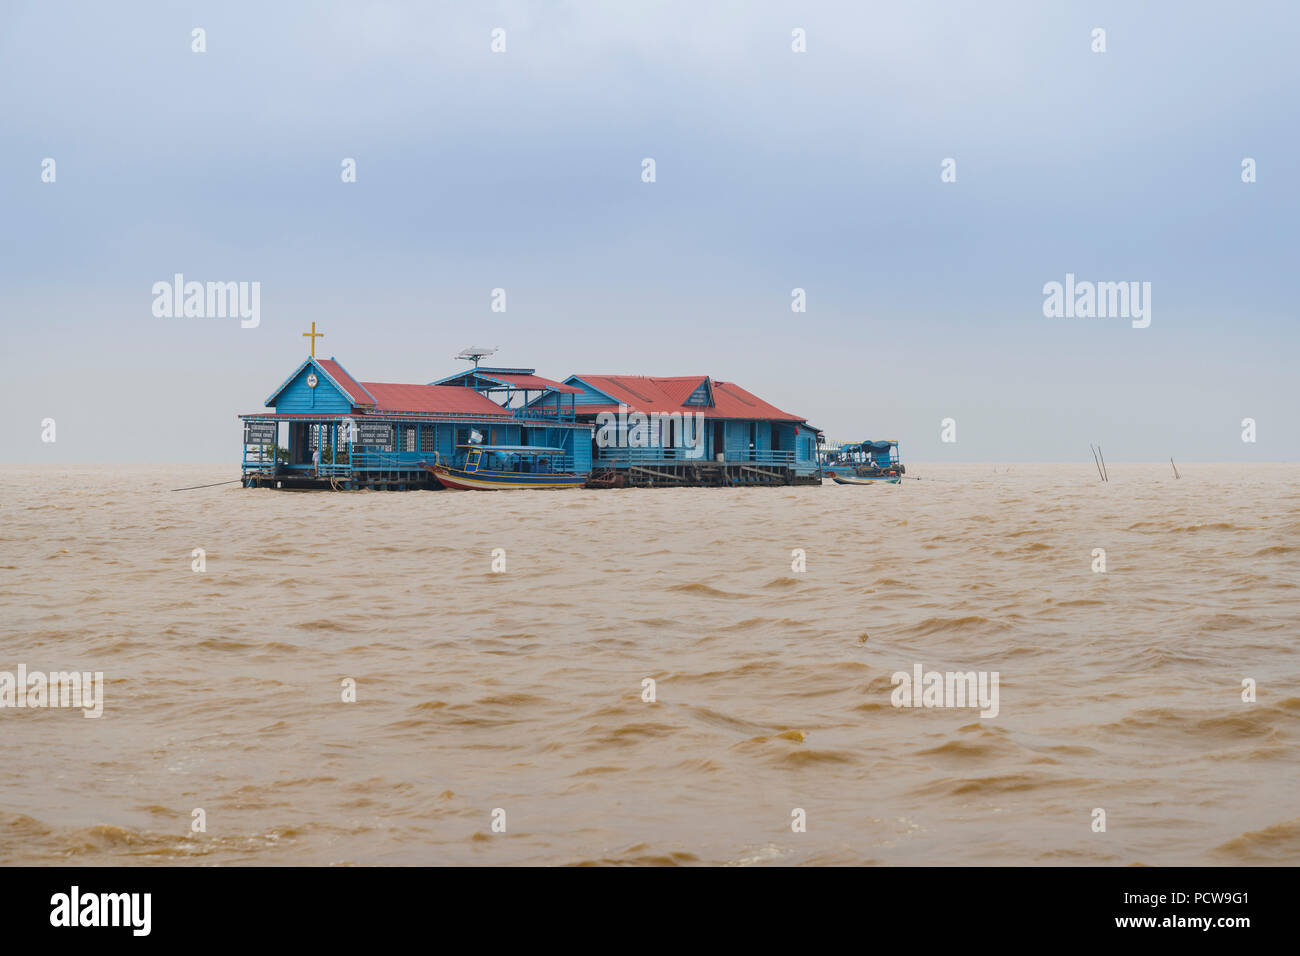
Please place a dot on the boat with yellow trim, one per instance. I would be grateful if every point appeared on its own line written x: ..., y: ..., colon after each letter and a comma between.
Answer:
x: 508, y: 467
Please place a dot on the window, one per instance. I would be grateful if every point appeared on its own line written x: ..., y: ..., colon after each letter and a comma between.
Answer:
x: 409, y: 444
x: 703, y: 395
x: 429, y: 438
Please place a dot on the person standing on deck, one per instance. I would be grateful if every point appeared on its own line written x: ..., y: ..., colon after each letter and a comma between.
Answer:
x: 315, y: 462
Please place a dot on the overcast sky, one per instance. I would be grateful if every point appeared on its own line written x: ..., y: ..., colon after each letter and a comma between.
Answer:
x: 775, y: 170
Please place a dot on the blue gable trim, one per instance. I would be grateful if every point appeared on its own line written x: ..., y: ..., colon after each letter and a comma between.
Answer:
x: 320, y: 373
x: 590, y: 394
x: 292, y: 375
x: 295, y: 395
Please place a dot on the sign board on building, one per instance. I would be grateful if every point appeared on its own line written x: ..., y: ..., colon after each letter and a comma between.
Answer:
x: 375, y: 433
x: 260, y: 433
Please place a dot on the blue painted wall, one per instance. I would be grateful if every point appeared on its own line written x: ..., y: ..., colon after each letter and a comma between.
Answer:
x: 805, y: 450
x: 737, y: 440
x: 501, y: 434
x: 446, y: 442
x: 805, y: 444
x: 324, y: 398
x: 579, y: 443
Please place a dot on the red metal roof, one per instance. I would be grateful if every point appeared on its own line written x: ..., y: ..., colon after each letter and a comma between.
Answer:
x: 355, y: 392
x: 430, y: 399
x: 645, y: 393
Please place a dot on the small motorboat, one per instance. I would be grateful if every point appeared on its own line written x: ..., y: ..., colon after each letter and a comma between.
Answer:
x: 862, y: 463
x: 507, y: 468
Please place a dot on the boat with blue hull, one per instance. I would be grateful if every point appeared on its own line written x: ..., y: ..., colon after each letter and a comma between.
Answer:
x: 862, y: 463
x: 508, y: 468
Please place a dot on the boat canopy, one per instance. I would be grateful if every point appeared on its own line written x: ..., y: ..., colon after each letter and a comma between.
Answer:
x: 867, y: 447
x: 882, y: 454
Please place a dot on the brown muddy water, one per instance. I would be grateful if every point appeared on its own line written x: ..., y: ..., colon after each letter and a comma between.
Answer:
x: 522, y: 690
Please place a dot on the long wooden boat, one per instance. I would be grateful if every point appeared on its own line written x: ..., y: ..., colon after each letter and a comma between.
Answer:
x: 506, y: 468
x: 889, y: 479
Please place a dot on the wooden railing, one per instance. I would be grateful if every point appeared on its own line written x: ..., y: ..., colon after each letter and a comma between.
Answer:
x: 639, y: 456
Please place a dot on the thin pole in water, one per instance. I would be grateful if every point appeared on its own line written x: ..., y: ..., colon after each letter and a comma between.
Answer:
x: 1175, y: 467
x: 1095, y: 461
x: 1105, y: 472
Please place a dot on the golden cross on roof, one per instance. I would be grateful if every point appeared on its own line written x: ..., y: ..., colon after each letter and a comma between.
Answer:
x: 313, y: 335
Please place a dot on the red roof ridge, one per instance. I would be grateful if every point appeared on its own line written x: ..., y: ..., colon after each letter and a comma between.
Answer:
x: 664, y: 378
x: 343, y: 378
x: 669, y: 392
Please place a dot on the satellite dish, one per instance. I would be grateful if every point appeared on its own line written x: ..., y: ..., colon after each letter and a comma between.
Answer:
x: 476, y: 354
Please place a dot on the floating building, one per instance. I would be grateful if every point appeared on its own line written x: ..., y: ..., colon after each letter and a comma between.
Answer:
x: 687, y: 429
x: 326, y: 429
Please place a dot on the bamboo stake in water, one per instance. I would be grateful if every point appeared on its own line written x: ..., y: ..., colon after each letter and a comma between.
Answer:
x: 1105, y: 473
x: 1175, y: 467
x: 1095, y: 461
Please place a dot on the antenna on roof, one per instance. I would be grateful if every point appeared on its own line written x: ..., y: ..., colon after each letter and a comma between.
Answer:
x: 475, y: 354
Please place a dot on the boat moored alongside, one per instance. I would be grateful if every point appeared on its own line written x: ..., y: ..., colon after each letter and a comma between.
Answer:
x: 508, y: 468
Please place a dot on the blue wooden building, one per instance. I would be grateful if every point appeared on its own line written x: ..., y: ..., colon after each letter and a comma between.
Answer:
x: 380, y: 434
x: 325, y: 428
x: 685, y: 430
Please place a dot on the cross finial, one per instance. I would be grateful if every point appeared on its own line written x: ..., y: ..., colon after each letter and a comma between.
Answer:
x: 313, y: 335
